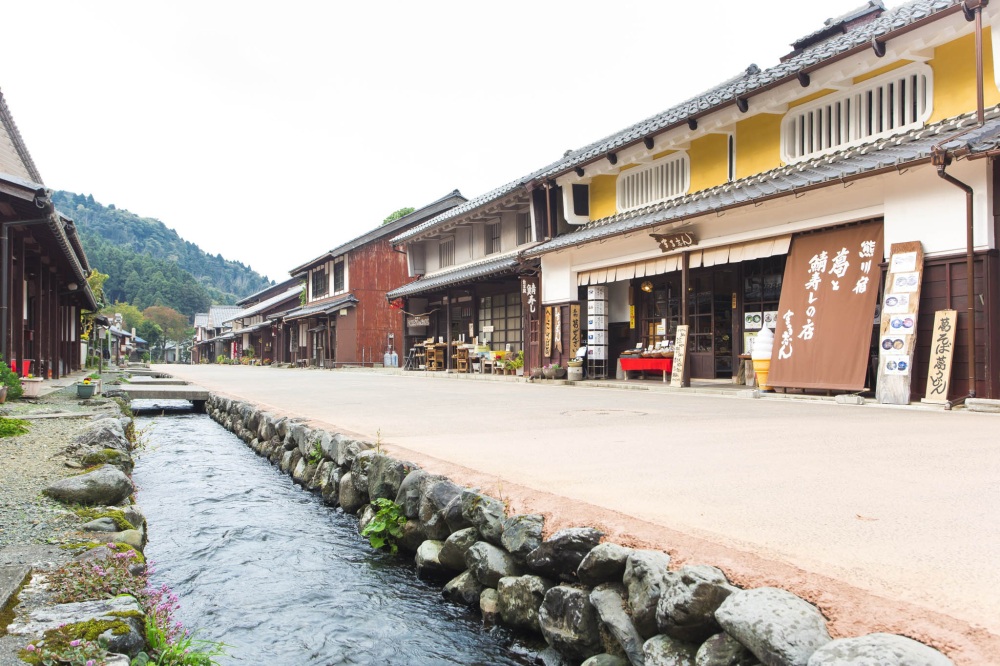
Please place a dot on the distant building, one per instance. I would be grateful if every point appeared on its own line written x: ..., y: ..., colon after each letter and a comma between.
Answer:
x: 346, y: 318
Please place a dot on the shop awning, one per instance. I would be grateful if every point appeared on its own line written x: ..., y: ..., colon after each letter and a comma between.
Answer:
x: 251, y: 329
x: 467, y: 273
x: 715, y: 256
x: 325, y: 308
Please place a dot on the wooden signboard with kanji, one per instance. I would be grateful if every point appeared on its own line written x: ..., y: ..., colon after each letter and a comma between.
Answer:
x: 548, y: 332
x: 898, y: 330
x: 680, y: 356
x: 942, y: 351
x: 574, y: 329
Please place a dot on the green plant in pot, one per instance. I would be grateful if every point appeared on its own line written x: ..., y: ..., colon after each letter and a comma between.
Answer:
x: 86, y: 388
x: 10, y: 381
x: 553, y: 371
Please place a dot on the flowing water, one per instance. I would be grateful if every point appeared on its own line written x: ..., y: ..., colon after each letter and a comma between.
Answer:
x: 268, y: 569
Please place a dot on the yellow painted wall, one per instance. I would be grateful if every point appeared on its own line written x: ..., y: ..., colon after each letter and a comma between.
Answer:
x: 709, y: 157
x: 881, y: 70
x: 809, y: 98
x: 603, y: 197
x: 758, y: 144
x: 954, y: 66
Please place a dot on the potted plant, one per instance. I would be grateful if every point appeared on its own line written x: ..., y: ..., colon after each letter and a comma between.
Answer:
x: 95, y: 379
x: 536, y: 373
x: 31, y: 385
x: 85, y: 389
x: 516, y: 364
x: 10, y: 381
x: 553, y: 371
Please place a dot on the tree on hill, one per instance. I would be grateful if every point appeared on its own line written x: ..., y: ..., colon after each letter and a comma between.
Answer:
x: 174, y: 325
x: 105, y: 230
x: 131, y: 315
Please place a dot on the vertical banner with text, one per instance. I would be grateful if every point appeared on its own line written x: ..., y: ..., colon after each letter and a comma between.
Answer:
x: 828, y: 297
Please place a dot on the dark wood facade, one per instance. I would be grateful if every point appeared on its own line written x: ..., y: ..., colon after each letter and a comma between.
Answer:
x: 363, y: 334
x: 44, y: 288
x: 355, y: 324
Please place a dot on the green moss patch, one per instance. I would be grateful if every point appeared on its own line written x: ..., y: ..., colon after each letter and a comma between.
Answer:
x: 102, y: 457
x: 58, y: 640
x: 93, y: 514
x: 7, y: 612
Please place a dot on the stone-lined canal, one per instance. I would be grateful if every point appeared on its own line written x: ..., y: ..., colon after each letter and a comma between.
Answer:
x: 268, y: 569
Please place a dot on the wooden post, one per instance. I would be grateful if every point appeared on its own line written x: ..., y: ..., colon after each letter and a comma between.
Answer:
x: 898, y: 330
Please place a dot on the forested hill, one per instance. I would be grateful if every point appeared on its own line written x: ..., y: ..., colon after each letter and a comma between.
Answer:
x: 149, y: 264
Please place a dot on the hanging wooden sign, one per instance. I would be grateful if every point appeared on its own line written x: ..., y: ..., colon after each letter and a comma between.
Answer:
x: 671, y: 242
x: 680, y: 356
x: 942, y: 351
x: 558, y: 329
x: 529, y: 297
x: 548, y: 332
x: 574, y: 328
x: 898, y: 331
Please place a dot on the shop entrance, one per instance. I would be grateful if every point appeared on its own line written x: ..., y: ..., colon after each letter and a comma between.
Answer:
x: 711, y: 299
x: 710, y: 315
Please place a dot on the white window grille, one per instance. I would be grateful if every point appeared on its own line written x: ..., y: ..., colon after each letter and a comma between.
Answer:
x: 895, y: 102
x: 523, y: 228
x: 446, y: 252
x: 666, y: 178
x: 492, y: 238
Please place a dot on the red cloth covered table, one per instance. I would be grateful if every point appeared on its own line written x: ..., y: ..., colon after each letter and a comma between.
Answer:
x: 664, y: 365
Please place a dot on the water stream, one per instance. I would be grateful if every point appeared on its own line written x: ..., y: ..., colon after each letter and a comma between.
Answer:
x: 270, y: 570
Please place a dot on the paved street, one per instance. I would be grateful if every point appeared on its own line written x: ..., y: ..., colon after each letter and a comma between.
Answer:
x: 885, y: 517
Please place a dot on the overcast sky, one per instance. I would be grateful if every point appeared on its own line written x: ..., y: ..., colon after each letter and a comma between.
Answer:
x: 272, y: 132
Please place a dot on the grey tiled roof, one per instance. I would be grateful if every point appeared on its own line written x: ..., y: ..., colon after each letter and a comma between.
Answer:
x: 465, y: 273
x: 462, y: 209
x: 431, y: 210
x: 894, y: 19
x: 752, y: 80
x: 896, y: 152
x: 218, y: 315
x: 838, y: 21
x: 269, y: 303
x: 257, y: 295
x: 321, y: 308
x: 201, y: 320
x: 251, y: 329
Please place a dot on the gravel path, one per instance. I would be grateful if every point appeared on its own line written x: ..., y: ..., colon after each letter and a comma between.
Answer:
x: 30, y: 462
x: 33, y: 527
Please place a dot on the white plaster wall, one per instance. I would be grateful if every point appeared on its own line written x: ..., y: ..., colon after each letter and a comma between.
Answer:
x: 920, y: 205
x: 558, y: 278
x: 464, y: 245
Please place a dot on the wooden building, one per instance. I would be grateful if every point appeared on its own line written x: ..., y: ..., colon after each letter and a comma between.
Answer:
x: 346, y: 319
x: 256, y: 327
x: 882, y: 122
x: 43, y: 268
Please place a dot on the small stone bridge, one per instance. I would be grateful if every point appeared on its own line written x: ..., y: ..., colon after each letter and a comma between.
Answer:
x: 161, y: 387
